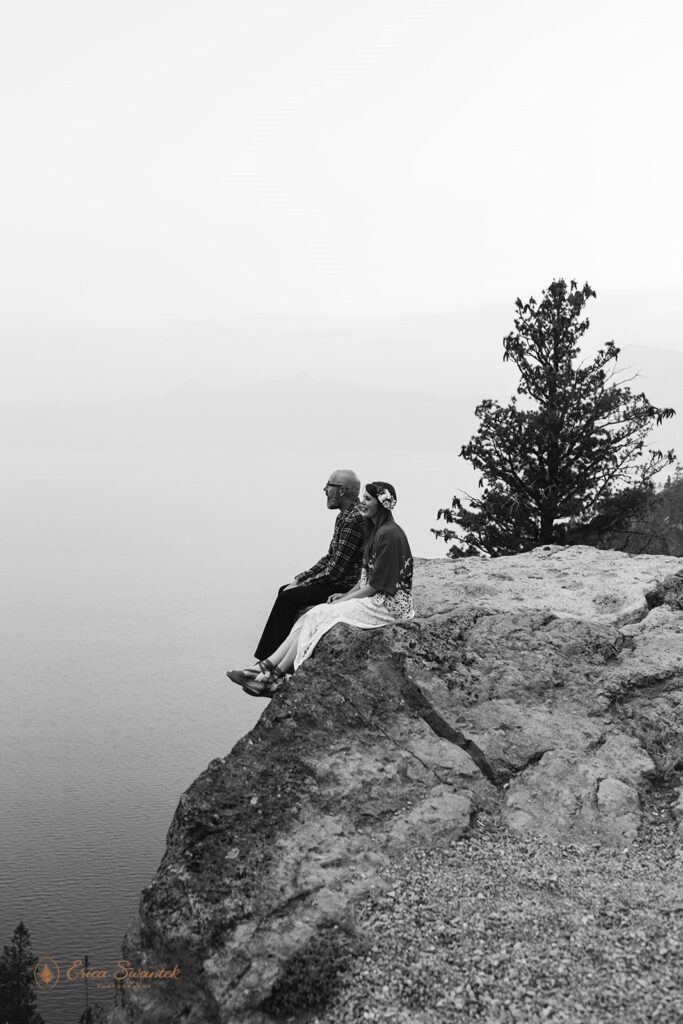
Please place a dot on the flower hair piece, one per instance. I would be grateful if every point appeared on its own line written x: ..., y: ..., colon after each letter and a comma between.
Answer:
x: 386, y: 499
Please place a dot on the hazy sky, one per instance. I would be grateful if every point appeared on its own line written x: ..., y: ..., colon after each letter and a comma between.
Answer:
x: 183, y: 179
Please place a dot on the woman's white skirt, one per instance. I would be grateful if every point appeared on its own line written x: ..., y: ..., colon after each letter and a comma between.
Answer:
x: 361, y: 612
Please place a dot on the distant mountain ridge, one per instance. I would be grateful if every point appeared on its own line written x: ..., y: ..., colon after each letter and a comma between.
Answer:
x: 276, y: 414
x: 300, y: 411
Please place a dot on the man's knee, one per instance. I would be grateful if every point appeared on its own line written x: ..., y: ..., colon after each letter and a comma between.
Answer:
x: 294, y: 598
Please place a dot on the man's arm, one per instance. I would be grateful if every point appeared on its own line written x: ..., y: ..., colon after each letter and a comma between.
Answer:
x: 340, y: 558
x: 317, y: 569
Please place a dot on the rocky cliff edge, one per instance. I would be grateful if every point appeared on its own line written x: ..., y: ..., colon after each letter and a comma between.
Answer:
x: 545, y: 689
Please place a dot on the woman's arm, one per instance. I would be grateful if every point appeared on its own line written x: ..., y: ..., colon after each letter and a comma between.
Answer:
x: 365, y: 591
x: 387, y: 559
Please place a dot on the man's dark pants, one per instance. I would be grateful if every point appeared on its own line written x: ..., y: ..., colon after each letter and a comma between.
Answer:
x: 285, y: 612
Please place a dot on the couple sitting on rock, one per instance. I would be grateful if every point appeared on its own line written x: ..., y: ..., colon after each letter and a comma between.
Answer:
x: 364, y: 580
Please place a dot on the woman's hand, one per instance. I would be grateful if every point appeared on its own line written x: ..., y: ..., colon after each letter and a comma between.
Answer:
x: 365, y: 591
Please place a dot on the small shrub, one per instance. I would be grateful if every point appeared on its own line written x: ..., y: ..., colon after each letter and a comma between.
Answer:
x: 313, y: 975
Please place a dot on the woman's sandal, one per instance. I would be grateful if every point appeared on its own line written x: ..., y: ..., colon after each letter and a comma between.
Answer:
x: 267, y: 686
x: 248, y: 675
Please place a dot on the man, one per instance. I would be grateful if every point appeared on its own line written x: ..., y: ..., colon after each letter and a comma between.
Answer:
x: 334, y: 573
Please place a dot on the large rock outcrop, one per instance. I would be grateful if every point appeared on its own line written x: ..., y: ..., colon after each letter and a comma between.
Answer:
x: 545, y: 687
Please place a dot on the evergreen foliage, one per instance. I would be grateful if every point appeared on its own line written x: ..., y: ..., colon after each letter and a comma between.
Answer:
x: 17, y: 984
x: 649, y: 523
x: 570, y: 449
x: 94, y: 1014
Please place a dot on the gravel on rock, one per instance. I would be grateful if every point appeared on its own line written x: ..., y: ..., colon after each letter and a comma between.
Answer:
x: 505, y: 928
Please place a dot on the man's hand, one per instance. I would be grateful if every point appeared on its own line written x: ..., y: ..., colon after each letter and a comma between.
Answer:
x: 334, y: 597
x: 292, y: 586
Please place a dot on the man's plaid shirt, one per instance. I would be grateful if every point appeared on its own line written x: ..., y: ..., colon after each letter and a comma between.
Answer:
x: 342, y: 563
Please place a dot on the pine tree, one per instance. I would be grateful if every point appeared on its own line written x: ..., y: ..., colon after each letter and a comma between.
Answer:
x: 562, y: 453
x: 17, y: 984
x: 94, y: 1014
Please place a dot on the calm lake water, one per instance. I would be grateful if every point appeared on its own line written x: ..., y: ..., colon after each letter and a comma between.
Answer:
x: 131, y: 581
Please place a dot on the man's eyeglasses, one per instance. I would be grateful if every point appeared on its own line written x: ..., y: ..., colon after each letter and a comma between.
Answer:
x: 328, y: 485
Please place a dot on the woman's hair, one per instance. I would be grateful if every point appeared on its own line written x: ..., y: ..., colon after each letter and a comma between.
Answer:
x: 386, y: 499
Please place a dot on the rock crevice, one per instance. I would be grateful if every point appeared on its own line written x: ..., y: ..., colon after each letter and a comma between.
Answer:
x: 416, y: 699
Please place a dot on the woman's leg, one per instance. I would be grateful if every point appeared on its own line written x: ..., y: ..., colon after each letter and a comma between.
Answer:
x: 266, y: 683
x: 283, y: 658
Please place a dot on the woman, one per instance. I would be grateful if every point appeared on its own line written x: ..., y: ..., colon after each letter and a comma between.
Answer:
x: 381, y: 596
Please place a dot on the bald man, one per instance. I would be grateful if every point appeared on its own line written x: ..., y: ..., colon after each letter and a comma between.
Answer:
x: 335, y: 573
